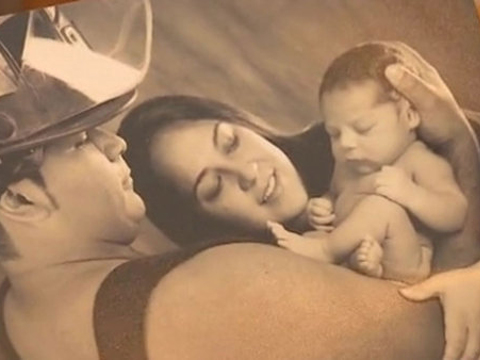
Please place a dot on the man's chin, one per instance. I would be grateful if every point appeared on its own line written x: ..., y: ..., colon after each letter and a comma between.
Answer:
x: 136, y: 208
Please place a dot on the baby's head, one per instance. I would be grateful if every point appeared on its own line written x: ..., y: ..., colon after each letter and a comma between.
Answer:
x: 369, y: 123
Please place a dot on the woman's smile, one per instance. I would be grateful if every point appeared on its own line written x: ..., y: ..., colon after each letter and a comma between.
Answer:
x: 270, y: 188
x: 266, y: 184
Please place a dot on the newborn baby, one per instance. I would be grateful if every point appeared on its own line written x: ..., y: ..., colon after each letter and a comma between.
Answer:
x: 389, y: 193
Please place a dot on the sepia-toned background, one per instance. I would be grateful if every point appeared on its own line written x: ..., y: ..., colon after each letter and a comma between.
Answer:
x: 269, y: 56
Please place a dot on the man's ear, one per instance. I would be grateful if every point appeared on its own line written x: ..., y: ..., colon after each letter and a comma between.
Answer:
x: 25, y: 201
x: 408, y: 113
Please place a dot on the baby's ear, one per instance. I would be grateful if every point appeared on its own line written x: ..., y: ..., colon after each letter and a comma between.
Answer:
x: 408, y: 113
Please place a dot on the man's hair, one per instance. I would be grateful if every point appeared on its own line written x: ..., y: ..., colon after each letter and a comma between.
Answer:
x: 366, y: 61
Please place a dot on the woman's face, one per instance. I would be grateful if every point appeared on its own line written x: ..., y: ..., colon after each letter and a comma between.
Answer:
x: 230, y: 171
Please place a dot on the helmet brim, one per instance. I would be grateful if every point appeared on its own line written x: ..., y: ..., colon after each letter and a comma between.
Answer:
x: 88, y: 119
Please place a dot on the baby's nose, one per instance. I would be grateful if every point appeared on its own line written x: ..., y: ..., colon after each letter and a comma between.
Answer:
x: 347, y: 140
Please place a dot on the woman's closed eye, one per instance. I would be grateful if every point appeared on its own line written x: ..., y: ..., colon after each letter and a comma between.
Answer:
x: 225, y: 137
x: 209, y: 186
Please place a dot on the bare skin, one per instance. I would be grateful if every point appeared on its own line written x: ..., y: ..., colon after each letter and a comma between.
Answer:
x: 277, y: 305
x: 286, y: 306
x: 434, y: 198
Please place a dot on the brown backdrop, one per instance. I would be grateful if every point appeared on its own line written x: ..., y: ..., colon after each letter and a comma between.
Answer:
x: 268, y: 56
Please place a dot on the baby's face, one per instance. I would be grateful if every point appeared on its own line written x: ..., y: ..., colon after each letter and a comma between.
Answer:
x: 367, y: 130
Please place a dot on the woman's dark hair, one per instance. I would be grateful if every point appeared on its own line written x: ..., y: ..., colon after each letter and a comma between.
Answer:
x: 177, y: 215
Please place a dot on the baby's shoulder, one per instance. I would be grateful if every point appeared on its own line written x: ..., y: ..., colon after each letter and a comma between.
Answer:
x: 418, y: 147
x: 417, y: 151
x: 420, y: 158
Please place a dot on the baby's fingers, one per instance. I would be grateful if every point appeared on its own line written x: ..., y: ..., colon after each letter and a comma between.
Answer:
x: 278, y: 231
x: 384, y: 191
x: 325, y: 228
x: 318, y: 220
x: 381, y: 180
x: 320, y: 208
x: 322, y: 202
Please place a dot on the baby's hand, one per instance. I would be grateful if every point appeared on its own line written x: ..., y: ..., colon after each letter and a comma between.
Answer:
x: 310, y: 246
x: 320, y: 213
x: 394, y: 183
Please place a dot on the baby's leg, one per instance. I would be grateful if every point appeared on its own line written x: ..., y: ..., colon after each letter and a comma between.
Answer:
x: 404, y: 258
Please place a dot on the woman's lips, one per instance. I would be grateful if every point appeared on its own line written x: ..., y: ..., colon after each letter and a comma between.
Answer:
x: 270, y: 188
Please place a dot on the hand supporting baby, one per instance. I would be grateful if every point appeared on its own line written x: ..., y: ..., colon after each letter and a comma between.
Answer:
x: 459, y: 293
x: 443, y: 120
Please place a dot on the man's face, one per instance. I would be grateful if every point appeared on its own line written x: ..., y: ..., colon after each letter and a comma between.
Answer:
x: 90, y: 183
x: 366, y: 132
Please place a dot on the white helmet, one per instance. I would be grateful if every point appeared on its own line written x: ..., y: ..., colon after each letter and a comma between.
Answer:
x: 68, y: 68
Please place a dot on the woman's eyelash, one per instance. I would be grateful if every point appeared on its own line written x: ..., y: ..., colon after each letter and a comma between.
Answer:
x: 232, y: 144
x: 213, y: 194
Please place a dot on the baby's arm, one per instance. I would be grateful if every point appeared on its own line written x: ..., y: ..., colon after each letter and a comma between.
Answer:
x: 433, y: 196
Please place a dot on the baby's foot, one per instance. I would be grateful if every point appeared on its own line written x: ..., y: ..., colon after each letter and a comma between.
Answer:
x: 367, y: 258
x: 302, y: 245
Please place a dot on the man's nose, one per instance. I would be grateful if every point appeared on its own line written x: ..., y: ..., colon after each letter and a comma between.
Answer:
x: 109, y: 143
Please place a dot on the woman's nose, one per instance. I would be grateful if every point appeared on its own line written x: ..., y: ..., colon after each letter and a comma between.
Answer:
x: 109, y: 143
x: 246, y: 174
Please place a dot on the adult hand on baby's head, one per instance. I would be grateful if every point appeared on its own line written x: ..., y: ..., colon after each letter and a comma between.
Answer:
x: 459, y: 293
x: 442, y: 118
